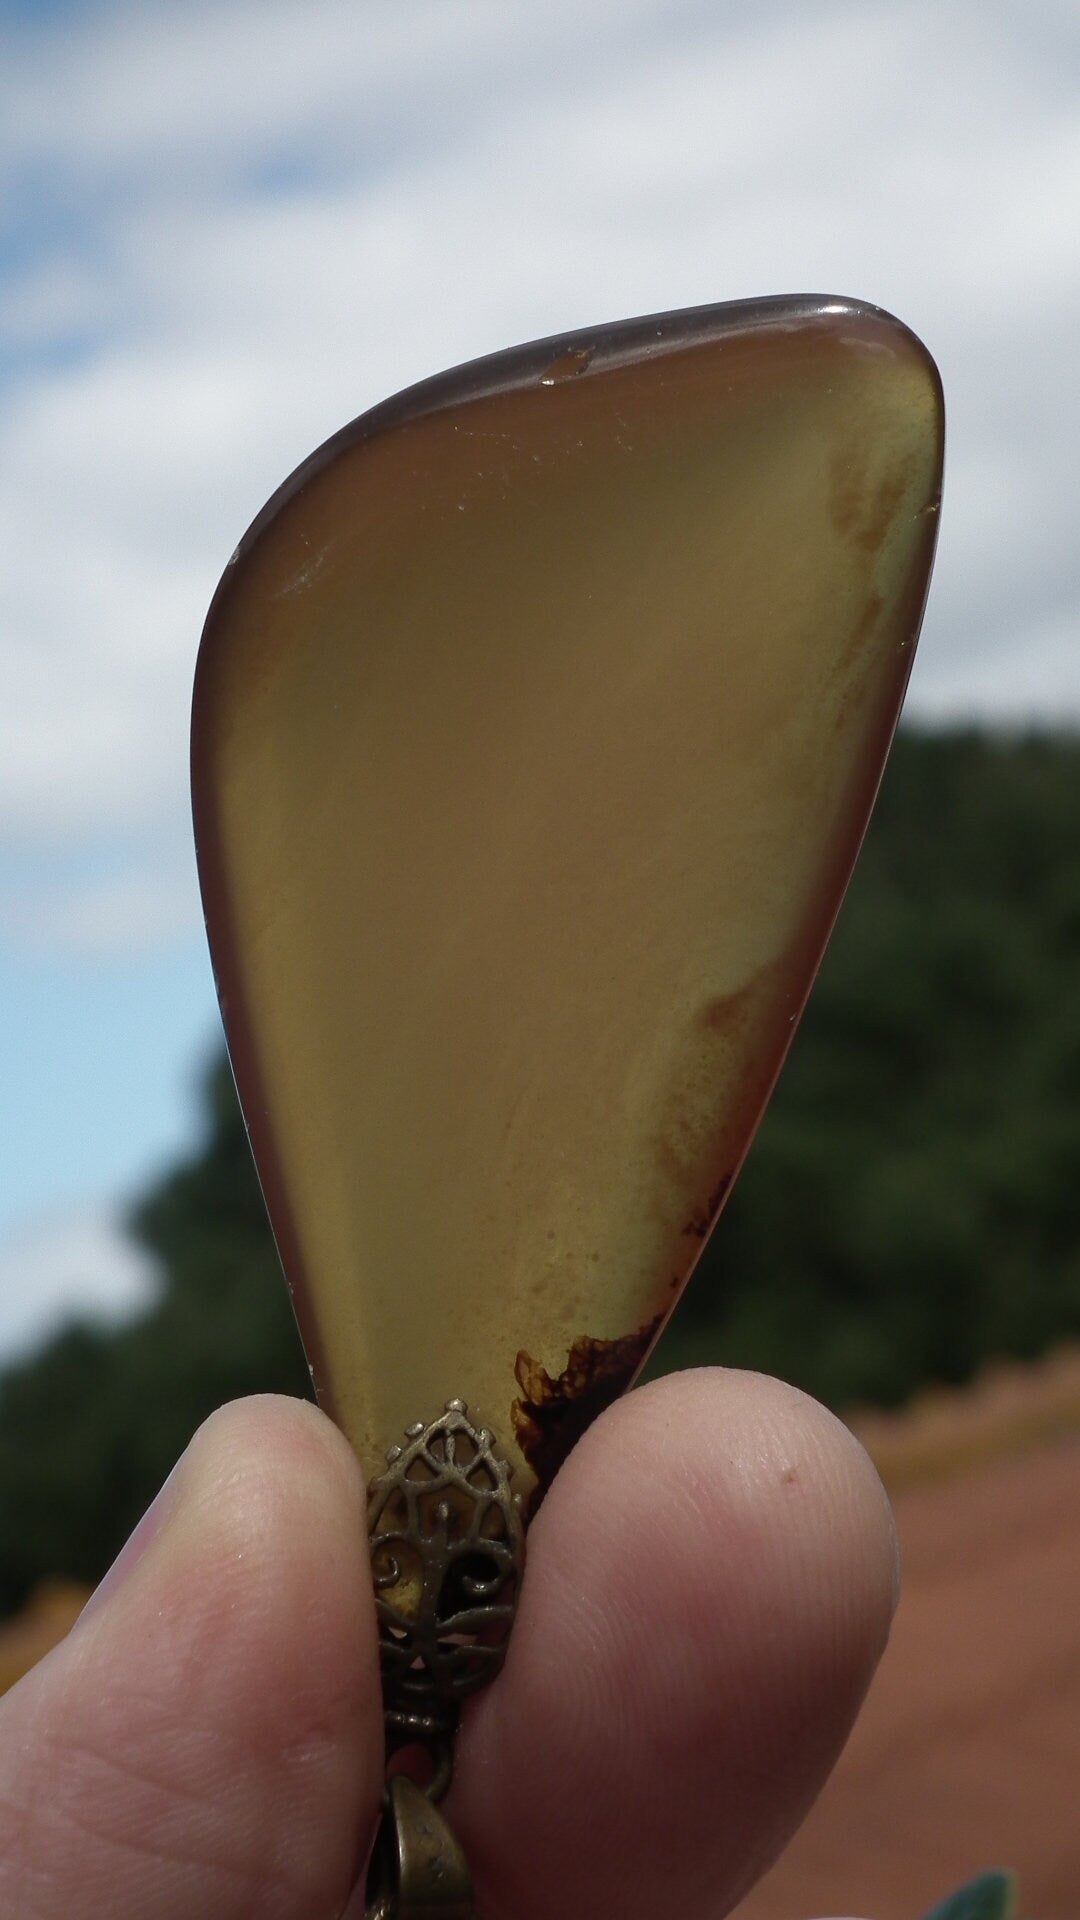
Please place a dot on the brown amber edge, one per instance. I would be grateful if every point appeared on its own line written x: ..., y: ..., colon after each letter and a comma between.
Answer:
x: 595, y: 349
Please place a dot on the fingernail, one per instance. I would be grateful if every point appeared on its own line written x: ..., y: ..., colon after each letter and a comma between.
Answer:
x: 135, y: 1546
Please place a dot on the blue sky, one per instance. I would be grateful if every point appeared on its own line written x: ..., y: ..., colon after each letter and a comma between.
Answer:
x: 226, y: 229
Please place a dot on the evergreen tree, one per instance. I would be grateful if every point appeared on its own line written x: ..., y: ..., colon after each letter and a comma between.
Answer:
x: 92, y: 1425
x: 910, y: 1209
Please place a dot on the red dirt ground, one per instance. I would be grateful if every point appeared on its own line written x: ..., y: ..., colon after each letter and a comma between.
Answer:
x: 967, y: 1753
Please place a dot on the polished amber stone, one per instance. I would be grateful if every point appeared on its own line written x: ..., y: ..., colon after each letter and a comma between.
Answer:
x: 537, y: 722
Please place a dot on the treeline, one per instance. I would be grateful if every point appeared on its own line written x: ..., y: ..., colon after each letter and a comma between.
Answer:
x: 911, y: 1207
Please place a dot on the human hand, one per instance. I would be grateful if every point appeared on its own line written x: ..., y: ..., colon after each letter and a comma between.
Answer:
x: 709, y: 1587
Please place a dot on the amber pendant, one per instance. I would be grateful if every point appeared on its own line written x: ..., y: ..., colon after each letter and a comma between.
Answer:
x: 537, y: 722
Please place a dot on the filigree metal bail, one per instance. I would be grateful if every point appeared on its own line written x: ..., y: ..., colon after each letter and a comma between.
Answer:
x: 447, y: 1554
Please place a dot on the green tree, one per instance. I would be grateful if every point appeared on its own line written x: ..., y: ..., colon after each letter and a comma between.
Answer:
x: 910, y: 1209
x: 91, y: 1426
x: 911, y: 1206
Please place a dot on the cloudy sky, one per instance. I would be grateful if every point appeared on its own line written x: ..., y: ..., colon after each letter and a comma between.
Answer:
x: 227, y: 228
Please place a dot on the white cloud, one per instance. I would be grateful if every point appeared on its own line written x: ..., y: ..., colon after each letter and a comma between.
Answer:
x: 1031, y: 681
x: 55, y: 298
x: 75, y: 1263
x: 137, y: 910
x: 286, y: 214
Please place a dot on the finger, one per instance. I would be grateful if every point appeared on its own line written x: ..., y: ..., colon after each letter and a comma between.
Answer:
x: 709, y: 1587
x: 208, y: 1738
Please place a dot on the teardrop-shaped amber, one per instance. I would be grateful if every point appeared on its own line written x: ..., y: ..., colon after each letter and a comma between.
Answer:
x: 537, y: 722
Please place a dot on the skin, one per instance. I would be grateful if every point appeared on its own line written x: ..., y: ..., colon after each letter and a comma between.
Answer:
x: 710, y: 1585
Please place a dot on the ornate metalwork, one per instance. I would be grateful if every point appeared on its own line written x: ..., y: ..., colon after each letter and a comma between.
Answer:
x: 447, y: 1553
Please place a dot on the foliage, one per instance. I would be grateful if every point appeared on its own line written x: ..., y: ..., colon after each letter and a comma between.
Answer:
x: 910, y: 1208
x: 91, y: 1426
x: 990, y: 1896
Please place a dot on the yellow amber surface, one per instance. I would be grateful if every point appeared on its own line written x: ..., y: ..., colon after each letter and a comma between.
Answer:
x: 537, y: 723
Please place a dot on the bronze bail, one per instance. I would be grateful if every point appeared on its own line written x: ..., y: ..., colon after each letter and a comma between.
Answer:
x: 447, y: 1555
x: 418, y: 1869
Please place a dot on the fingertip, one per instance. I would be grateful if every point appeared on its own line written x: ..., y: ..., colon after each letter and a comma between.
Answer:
x: 710, y: 1584
x: 209, y: 1734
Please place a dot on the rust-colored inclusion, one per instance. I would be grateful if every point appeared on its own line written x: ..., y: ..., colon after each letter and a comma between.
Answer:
x: 537, y: 722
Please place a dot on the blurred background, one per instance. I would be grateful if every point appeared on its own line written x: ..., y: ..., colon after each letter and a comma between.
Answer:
x: 227, y: 228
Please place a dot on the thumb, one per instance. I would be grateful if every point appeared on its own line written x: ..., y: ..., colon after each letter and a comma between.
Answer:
x: 207, y: 1740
